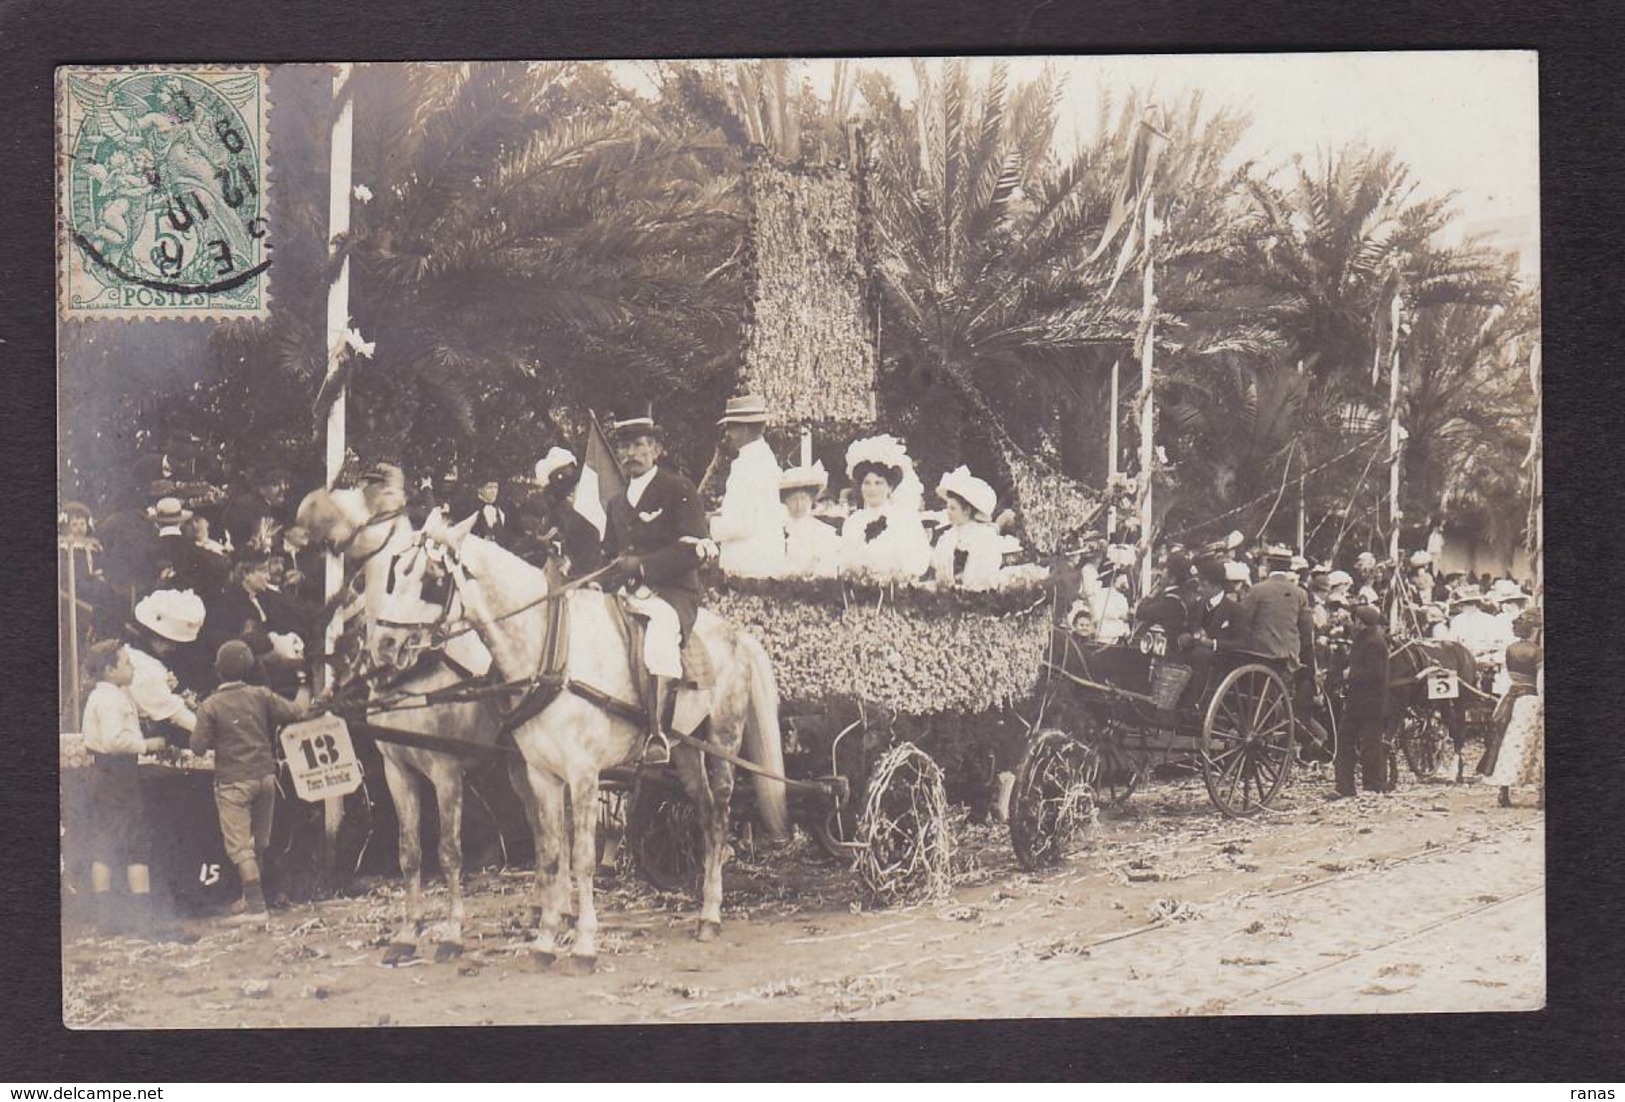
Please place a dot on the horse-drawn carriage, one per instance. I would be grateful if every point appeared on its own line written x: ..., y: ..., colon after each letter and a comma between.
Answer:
x: 1110, y: 713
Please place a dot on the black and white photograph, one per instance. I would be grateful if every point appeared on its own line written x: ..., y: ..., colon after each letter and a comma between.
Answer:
x: 656, y: 542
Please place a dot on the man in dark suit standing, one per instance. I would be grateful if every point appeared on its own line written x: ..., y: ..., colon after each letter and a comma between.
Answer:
x: 1365, y: 710
x: 657, y: 532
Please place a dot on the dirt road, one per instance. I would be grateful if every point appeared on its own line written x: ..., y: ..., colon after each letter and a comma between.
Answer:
x: 1429, y: 900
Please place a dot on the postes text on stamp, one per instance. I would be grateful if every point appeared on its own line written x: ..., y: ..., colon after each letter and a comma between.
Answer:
x: 162, y: 192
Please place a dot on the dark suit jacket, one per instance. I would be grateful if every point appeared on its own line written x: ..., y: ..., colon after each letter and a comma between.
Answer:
x: 668, y: 511
x: 203, y: 572
x: 1367, y: 682
x: 1274, y: 620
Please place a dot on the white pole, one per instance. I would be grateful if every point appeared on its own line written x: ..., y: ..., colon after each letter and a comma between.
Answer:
x: 73, y: 637
x: 1393, y: 460
x: 338, y: 319
x: 1148, y: 413
x: 1111, y: 452
x: 1303, y: 500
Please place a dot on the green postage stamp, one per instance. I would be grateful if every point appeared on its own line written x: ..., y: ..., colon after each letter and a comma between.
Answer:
x: 161, y: 174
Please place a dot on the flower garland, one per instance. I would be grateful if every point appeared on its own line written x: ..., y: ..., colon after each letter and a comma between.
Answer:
x: 916, y: 651
x: 1053, y: 508
x: 808, y: 349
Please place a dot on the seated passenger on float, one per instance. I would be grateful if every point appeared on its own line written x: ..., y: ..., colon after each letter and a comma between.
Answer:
x: 1101, y: 611
x: 970, y: 551
x: 812, y: 548
x: 884, y: 540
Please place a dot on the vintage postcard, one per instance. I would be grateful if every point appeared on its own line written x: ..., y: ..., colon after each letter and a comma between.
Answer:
x: 800, y: 540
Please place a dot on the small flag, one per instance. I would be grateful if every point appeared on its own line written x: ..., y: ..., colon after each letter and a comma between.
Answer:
x: 601, y: 478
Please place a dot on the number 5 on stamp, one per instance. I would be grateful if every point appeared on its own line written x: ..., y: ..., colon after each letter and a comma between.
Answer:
x: 321, y: 758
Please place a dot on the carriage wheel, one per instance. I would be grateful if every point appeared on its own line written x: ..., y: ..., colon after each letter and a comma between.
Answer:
x: 1247, y: 740
x: 664, y: 832
x: 1054, y: 797
x: 1421, y: 739
x: 903, y: 830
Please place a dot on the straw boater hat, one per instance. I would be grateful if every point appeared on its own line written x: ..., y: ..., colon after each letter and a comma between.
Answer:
x: 555, y: 461
x: 1278, y: 557
x: 813, y: 478
x: 973, y: 491
x: 1470, y: 594
x: 173, y: 614
x: 633, y: 425
x: 747, y: 409
x: 1507, y: 591
x: 169, y: 510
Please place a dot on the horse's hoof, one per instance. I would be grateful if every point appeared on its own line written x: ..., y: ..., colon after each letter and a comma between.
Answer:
x: 447, y: 950
x: 708, y: 930
x: 578, y: 966
x: 544, y: 958
x: 398, y: 952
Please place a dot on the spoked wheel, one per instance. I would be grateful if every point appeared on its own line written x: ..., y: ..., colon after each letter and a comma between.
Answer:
x: 903, y: 830
x: 1422, y: 737
x: 664, y: 831
x: 1247, y: 740
x: 1054, y: 797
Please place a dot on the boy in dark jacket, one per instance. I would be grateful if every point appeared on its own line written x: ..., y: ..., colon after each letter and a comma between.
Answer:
x: 238, y: 722
x: 1365, y: 708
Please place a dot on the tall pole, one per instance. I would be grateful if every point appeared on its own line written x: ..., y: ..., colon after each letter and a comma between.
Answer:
x: 1148, y: 412
x: 1111, y: 453
x: 73, y: 636
x: 1394, y: 515
x: 338, y: 319
x: 1303, y: 500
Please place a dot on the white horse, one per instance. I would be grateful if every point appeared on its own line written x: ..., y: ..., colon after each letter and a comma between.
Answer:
x: 570, y: 741
x: 379, y: 542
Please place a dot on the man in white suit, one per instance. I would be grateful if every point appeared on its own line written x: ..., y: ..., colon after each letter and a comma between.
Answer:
x: 749, y: 526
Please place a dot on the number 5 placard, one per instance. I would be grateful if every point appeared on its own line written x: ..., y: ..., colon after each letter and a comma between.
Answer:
x: 321, y: 758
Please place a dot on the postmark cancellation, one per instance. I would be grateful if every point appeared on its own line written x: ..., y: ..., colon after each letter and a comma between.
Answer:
x: 162, y: 190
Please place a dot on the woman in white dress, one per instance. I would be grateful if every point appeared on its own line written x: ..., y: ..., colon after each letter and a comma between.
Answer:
x: 971, y: 551
x: 812, y: 548
x: 884, y: 540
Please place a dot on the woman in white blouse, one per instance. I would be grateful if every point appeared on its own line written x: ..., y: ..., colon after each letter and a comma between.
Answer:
x: 812, y: 549
x: 971, y: 551
x: 884, y: 540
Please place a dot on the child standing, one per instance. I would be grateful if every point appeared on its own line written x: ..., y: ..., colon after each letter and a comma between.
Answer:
x: 113, y: 734
x: 237, y: 722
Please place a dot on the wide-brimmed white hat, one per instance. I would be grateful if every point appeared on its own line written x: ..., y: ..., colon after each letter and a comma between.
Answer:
x: 176, y: 615
x: 973, y: 491
x: 169, y: 510
x: 1340, y: 579
x: 1506, y: 590
x: 1421, y: 558
x: 554, y: 461
x: 747, y: 409
x: 1235, y: 571
x: 813, y: 477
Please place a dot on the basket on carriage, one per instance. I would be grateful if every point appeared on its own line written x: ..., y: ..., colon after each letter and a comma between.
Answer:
x: 1129, y: 707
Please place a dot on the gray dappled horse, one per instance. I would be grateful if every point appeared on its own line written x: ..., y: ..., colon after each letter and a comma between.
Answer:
x: 379, y: 543
x: 571, y: 740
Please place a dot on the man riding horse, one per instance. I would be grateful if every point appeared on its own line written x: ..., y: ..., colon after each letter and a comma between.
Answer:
x: 657, y: 531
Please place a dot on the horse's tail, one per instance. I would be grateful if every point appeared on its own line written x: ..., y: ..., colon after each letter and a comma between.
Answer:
x: 763, y: 743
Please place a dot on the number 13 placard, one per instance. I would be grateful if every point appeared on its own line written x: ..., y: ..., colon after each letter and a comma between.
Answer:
x: 321, y: 758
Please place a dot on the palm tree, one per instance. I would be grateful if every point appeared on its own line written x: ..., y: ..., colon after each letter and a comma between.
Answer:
x: 537, y: 243
x: 985, y: 243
